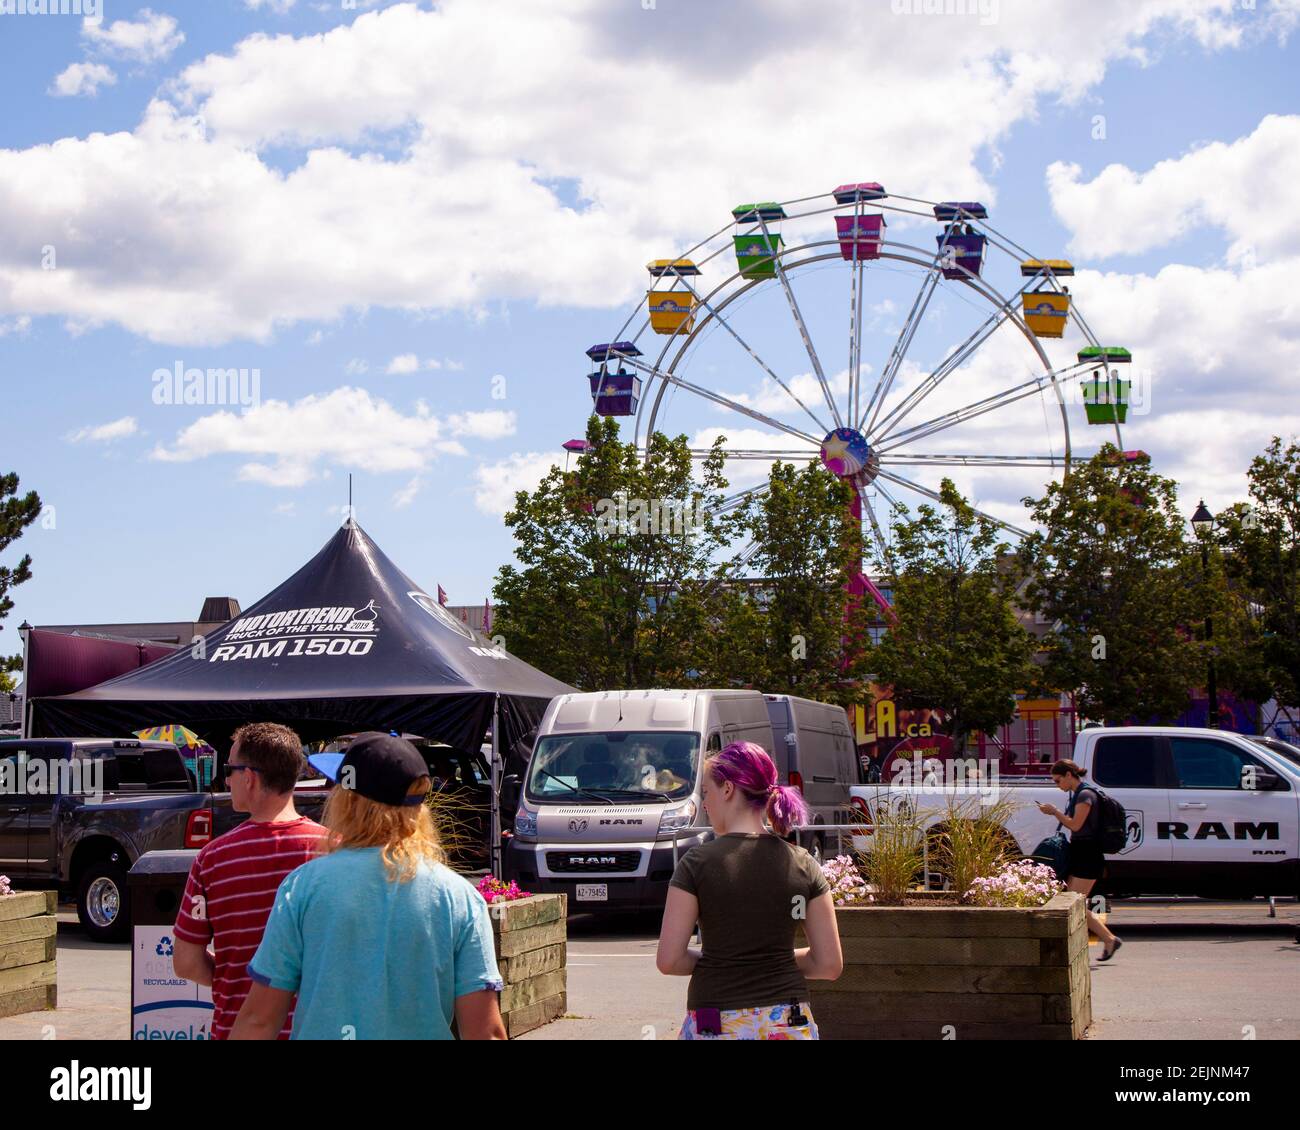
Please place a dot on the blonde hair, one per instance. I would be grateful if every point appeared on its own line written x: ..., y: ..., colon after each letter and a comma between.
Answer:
x: 406, y: 834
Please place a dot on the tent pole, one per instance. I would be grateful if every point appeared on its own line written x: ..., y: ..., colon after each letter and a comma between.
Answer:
x: 25, y: 725
x: 494, y: 815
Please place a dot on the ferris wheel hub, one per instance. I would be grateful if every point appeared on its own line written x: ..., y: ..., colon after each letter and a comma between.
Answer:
x: 845, y: 452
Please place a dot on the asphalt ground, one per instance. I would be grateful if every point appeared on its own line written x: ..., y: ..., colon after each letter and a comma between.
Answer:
x: 1189, y: 970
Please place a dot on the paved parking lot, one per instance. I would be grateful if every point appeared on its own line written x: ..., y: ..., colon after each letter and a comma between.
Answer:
x: 1189, y: 970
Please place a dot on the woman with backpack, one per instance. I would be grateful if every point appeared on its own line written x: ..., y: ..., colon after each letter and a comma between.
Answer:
x: 748, y: 889
x: 1086, y: 862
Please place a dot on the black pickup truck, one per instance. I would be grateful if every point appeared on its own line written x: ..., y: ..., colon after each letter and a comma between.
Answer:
x: 76, y: 813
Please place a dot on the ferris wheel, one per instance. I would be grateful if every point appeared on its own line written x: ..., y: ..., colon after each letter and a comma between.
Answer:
x: 989, y: 403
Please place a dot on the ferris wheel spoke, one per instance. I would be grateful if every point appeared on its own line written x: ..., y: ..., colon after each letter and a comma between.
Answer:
x: 754, y: 453
x: 946, y: 460
x: 740, y: 498
x: 903, y: 342
x: 717, y: 314
x: 949, y: 365
x: 968, y: 412
x: 886, y: 557
x: 746, y: 556
x: 803, y: 328
x: 910, y: 485
x: 718, y: 398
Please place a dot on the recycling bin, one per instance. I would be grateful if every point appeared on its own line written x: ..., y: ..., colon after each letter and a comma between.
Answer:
x: 163, y: 1005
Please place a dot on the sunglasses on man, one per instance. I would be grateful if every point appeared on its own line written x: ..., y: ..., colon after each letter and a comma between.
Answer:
x: 232, y: 769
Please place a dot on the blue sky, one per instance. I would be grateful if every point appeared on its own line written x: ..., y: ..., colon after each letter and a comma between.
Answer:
x: 472, y: 192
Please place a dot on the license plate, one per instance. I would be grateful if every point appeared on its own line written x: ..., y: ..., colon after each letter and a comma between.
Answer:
x: 593, y: 892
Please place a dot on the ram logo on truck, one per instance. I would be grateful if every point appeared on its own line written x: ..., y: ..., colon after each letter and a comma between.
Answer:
x: 1216, y: 830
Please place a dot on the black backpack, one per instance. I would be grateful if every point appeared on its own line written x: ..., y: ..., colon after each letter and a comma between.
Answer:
x: 1111, y: 823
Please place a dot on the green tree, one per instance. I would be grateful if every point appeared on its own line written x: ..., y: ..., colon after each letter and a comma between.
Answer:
x: 618, y: 561
x: 795, y: 629
x: 16, y: 514
x: 957, y: 645
x: 1111, y: 570
x: 1261, y: 544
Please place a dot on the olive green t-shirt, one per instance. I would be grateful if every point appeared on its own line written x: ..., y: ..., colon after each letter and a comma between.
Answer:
x: 750, y: 888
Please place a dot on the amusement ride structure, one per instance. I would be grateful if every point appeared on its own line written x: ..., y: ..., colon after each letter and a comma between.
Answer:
x: 875, y: 432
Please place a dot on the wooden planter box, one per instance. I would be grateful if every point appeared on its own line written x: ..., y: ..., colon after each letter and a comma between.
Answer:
x: 28, y: 930
x: 956, y: 972
x: 531, y: 938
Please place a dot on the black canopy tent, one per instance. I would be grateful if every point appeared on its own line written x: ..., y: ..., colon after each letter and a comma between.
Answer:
x: 349, y: 642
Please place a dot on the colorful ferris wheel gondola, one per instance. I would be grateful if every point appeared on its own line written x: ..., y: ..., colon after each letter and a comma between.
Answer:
x: 671, y: 310
x: 615, y: 393
x: 1046, y: 306
x: 1105, y: 394
x: 860, y: 234
x: 961, y: 247
x: 758, y: 244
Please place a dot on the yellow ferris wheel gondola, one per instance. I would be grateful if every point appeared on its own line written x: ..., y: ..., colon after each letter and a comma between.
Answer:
x: 671, y: 310
x: 1046, y: 308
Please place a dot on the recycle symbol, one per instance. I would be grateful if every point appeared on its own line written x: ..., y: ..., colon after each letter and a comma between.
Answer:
x: 164, y: 948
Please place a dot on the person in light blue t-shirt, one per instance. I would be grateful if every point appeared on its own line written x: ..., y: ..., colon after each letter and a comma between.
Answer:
x: 378, y: 938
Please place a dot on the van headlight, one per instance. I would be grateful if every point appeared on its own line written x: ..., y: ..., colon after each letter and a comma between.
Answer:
x: 676, y: 817
x: 525, y: 824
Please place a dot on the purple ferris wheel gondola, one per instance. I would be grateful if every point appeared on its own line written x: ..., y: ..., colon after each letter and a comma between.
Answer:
x: 614, y: 393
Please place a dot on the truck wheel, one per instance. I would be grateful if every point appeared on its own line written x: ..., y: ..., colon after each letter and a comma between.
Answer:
x: 103, y: 903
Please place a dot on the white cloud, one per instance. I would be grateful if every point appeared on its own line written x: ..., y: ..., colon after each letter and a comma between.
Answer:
x: 105, y: 433
x: 496, y: 483
x: 285, y: 508
x: 19, y: 325
x: 82, y: 78
x: 348, y: 427
x: 356, y: 367
x: 1239, y: 189
x: 404, y: 363
x: 152, y: 37
x: 404, y: 497
x: 280, y: 7
x: 469, y: 135
x: 315, y: 337
x: 1219, y: 343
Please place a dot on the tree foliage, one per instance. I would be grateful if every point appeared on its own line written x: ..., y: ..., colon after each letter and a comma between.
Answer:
x: 16, y: 514
x: 1111, y: 570
x: 957, y: 645
x: 586, y: 602
x: 1261, y: 544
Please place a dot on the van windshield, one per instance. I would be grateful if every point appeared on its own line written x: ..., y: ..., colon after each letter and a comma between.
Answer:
x: 616, y: 764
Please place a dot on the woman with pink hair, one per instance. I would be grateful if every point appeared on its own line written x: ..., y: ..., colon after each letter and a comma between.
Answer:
x: 748, y: 888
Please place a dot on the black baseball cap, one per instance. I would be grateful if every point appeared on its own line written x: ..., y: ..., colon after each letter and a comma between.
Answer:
x: 383, y: 768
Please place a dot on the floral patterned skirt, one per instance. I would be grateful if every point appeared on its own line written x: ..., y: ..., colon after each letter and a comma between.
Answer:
x: 772, y: 1022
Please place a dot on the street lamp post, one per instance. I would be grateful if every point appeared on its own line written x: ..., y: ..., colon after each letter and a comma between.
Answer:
x: 1203, y: 524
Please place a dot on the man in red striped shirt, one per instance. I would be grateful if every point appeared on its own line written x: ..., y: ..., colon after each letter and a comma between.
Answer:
x: 233, y: 881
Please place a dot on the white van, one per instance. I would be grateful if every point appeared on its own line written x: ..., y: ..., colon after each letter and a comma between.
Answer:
x: 612, y: 775
x: 815, y: 753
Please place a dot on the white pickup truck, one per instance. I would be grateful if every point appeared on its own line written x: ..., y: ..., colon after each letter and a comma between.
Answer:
x: 1209, y: 813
